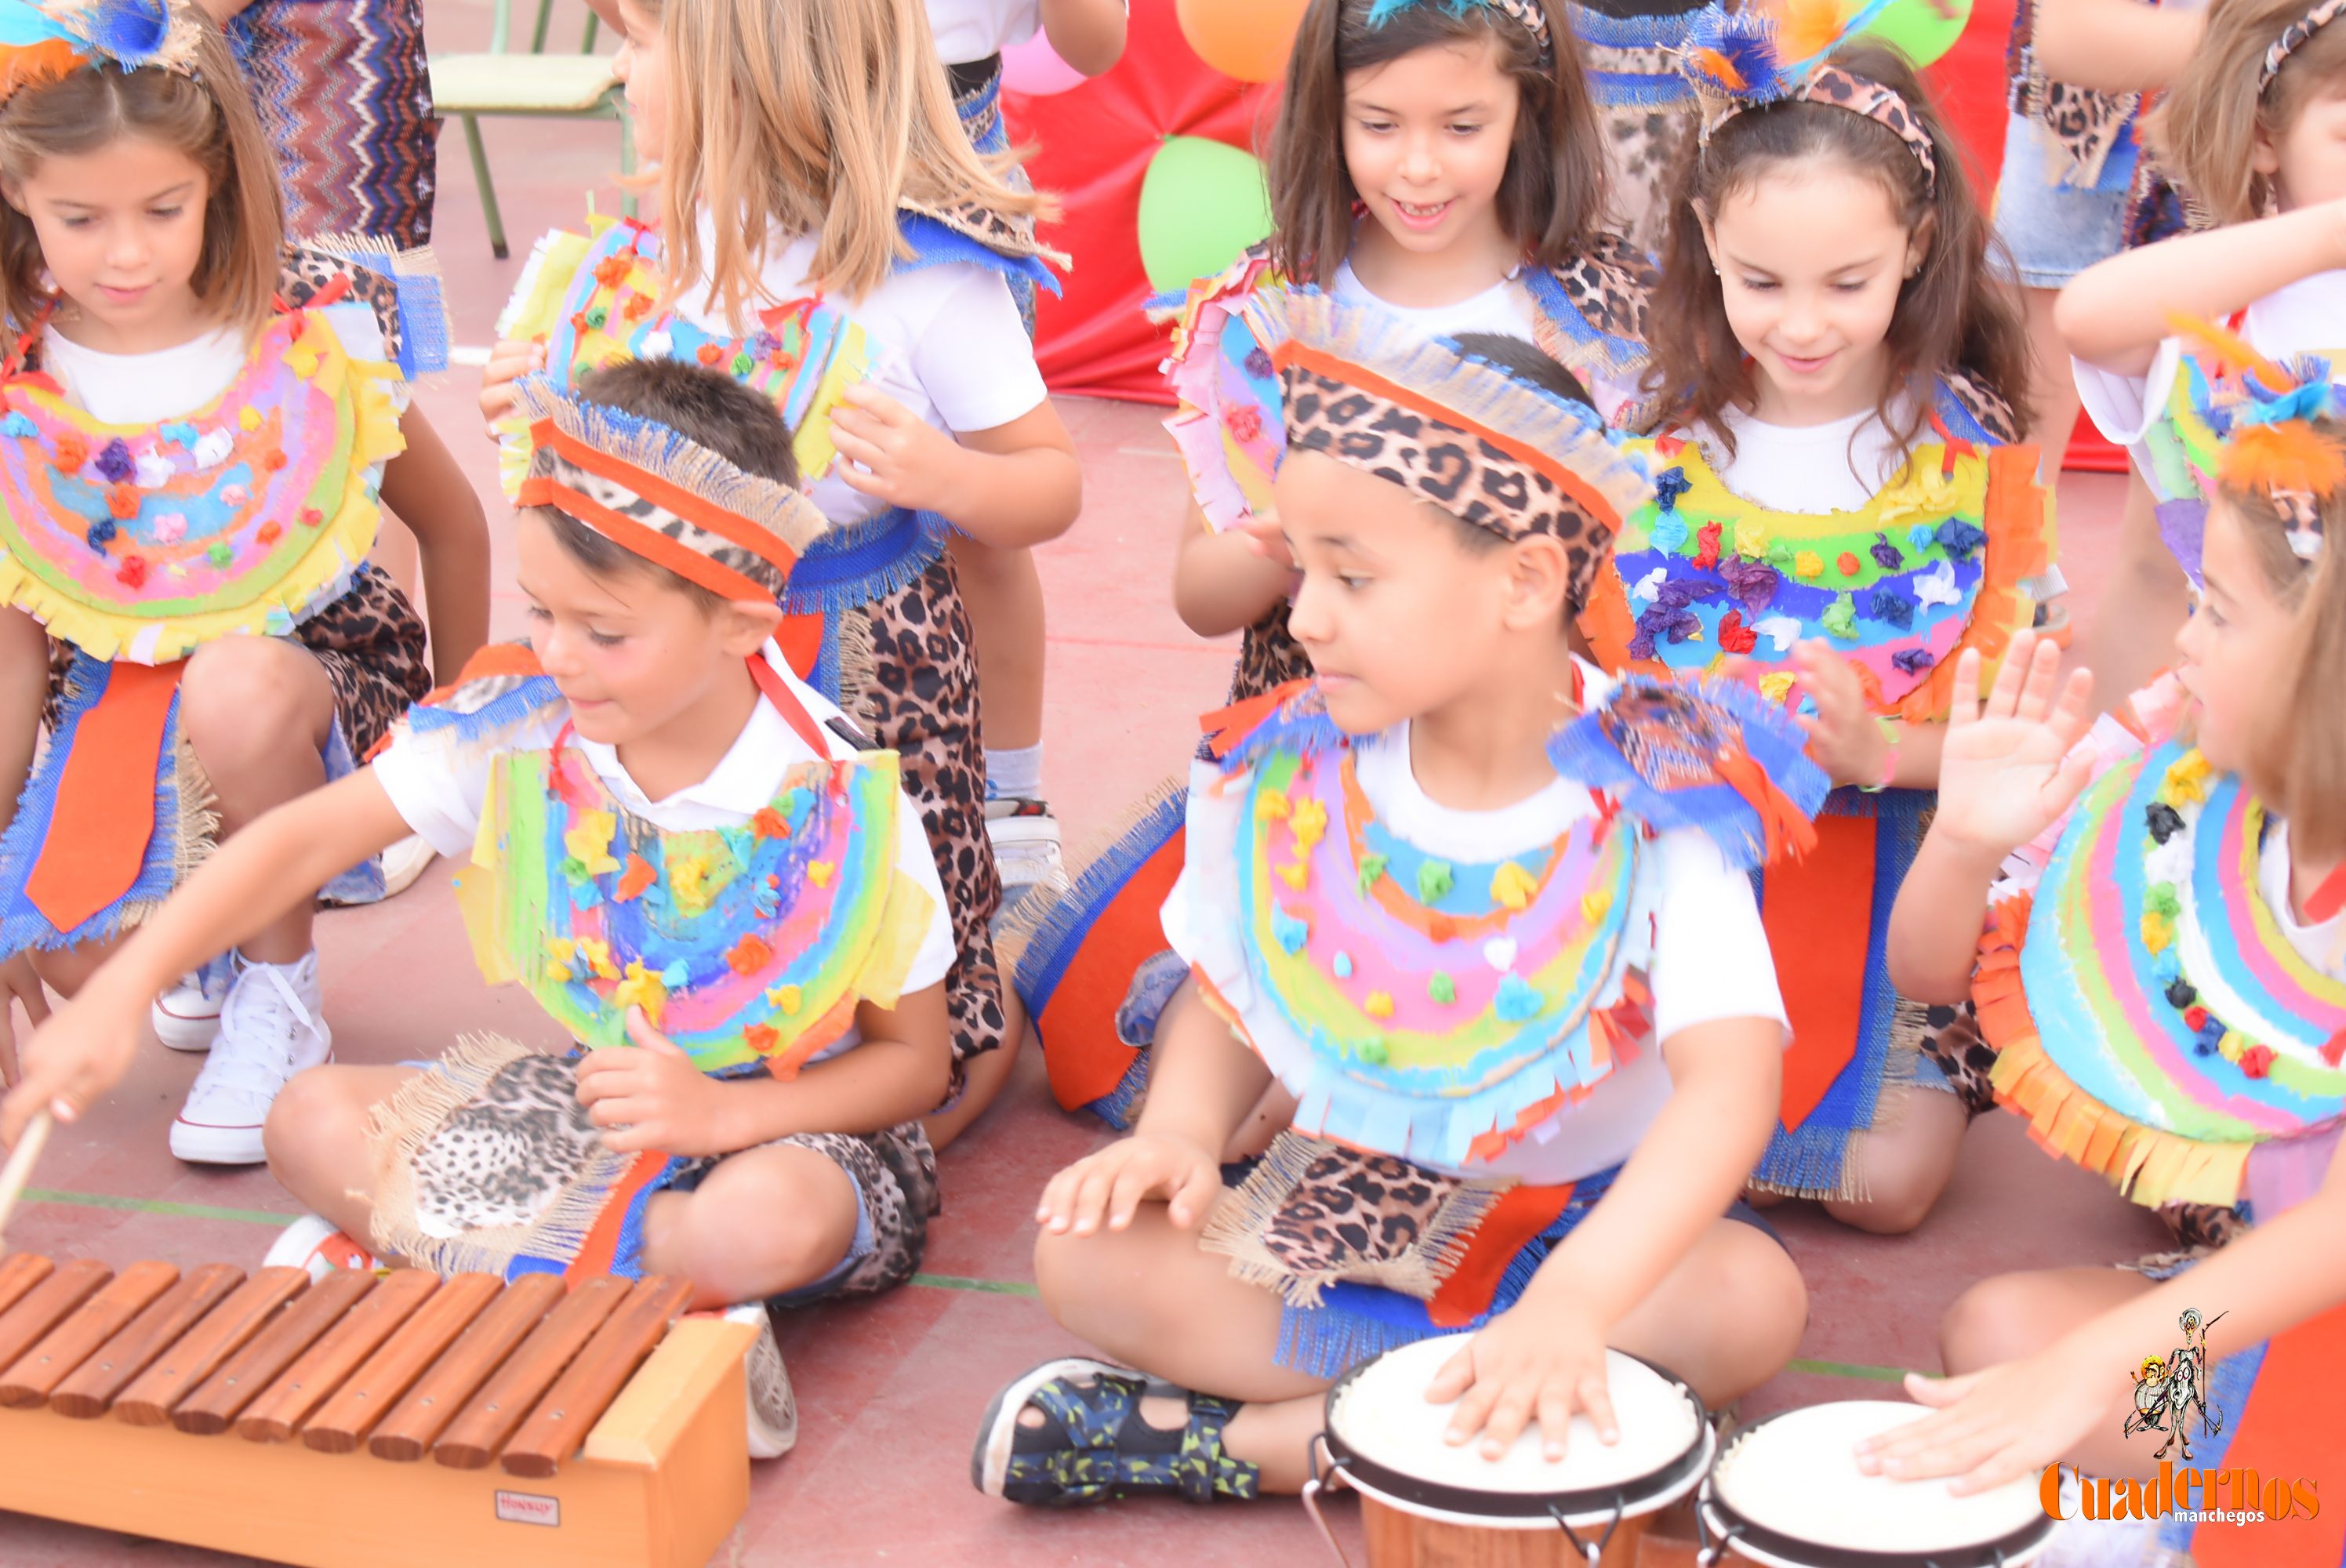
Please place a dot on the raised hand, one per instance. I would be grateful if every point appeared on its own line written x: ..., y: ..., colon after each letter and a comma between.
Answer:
x: 2011, y: 765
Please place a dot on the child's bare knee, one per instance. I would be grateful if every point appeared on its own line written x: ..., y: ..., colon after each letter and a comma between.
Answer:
x: 243, y: 698
x: 1995, y: 1320
x: 313, y: 1117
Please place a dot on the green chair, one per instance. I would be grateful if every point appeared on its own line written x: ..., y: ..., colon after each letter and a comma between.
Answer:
x: 533, y: 85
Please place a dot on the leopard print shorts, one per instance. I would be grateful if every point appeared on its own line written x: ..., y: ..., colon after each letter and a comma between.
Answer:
x: 924, y: 705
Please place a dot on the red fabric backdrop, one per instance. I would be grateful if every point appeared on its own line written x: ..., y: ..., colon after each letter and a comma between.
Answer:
x: 1093, y: 144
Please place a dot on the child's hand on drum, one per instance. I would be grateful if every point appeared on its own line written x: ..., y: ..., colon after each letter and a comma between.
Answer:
x: 1527, y: 1364
x: 1993, y: 1426
x: 2011, y: 766
x: 653, y: 1097
x: 1115, y: 1181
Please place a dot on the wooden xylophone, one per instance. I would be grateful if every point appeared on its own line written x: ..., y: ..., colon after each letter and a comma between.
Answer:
x: 370, y: 1420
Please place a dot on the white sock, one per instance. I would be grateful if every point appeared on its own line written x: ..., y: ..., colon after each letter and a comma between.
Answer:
x: 303, y: 971
x: 1014, y: 775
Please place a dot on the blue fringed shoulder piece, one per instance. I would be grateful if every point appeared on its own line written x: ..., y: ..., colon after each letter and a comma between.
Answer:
x: 1711, y: 754
x: 936, y: 243
x: 421, y: 339
x: 1290, y: 717
x: 501, y: 691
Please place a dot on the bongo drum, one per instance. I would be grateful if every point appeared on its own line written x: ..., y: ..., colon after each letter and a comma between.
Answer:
x: 1427, y: 1504
x: 1786, y: 1492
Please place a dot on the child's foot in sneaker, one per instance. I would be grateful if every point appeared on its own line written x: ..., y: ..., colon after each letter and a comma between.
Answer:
x: 773, y: 1407
x: 1025, y: 844
x: 269, y: 1029
x: 311, y: 1242
x: 404, y: 862
x: 186, y: 1016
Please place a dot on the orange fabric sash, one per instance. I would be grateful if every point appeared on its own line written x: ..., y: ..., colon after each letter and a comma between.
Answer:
x: 105, y: 814
x: 1520, y: 1213
x: 1819, y: 915
x: 2289, y: 1430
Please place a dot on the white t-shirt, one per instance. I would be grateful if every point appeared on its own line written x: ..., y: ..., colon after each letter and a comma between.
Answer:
x: 945, y: 340
x: 1710, y: 958
x: 438, y: 791
x: 2319, y: 945
x: 2308, y: 317
x: 969, y: 30
x: 148, y: 389
x: 1815, y: 468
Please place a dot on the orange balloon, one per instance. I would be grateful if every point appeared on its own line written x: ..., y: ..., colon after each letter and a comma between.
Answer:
x: 1249, y: 39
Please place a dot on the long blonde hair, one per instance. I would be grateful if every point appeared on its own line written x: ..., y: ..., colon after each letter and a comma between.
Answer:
x: 2203, y: 132
x: 208, y: 117
x: 811, y: 117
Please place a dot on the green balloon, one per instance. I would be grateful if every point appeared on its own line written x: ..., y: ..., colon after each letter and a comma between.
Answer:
x: 1919, y: 30
x: 1201, y: 203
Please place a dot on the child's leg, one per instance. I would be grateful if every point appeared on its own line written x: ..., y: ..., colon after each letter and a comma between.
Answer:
x: 1004, y: 593
x: 2142, y: 609
x: 1722, y: 1356
x: 2012, y: 1315
x: 316, y: 1141
x: 23, y: 688
x: 765, y: 1222
x: 1906, y: 1158
x: 2052, y: 386
x: 258, y: 712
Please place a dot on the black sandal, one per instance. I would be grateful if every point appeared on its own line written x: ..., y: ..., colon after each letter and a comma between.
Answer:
x: 1092, y: 1444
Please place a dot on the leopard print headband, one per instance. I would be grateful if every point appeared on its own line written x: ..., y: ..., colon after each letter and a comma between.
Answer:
x: 1524, y: 14
x: 1490, y: 449
x: 1732, y: 63
x: 2294, y: 37
x: 657, y: 494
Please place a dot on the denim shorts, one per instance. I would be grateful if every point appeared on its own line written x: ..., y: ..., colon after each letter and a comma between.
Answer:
x: 2054, y: 229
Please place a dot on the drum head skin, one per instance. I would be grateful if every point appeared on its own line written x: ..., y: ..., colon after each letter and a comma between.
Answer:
x: 1389, y: 1442
x: 1788, y: 1490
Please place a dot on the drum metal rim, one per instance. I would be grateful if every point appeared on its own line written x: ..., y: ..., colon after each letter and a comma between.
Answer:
x: 1655, y: 1490
x: 1735, y: 1531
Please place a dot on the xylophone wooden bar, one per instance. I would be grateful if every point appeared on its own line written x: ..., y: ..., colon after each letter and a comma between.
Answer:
x: 149, y: 1399
x: 19, y: 1272
x: 625, y: 1419
x: 37, y: 1373
x: 473, y: 1439
x: 85, y: 1395
x: 240, y: 1378
x: 375, y: 1388
x: 581, y: 1395
x: 407, y: 1433
x: 326, y: 1365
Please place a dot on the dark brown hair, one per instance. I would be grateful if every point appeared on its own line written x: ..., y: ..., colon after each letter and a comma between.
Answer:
x: 208, y: 117
x: 2203, y: 130
x: 706, y: 407
x: 2298, y: 749
x: 1958, y: 312
x: 1553, y: 193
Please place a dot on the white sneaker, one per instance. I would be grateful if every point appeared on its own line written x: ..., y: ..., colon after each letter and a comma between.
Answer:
x: 404, y: 861
x: 773, y: 1407
x: 311, y: 1242
x: 269, y: 1030
x: 1025, y: 839
x: 186, y: 1016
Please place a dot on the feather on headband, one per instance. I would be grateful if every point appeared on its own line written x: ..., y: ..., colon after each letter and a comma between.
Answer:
x: 1759, y: 56
x: 44, y: 44
x: 2267, y: 425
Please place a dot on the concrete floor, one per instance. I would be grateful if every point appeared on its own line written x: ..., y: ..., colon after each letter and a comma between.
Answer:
x: 890, y: 1392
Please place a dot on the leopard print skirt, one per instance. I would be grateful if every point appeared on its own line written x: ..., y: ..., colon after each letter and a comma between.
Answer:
x: 922, y: 704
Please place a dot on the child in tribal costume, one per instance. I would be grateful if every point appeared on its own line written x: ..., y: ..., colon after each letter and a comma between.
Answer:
x: 191, y: 493
x: 767, y: 932
x: 1470, y: 1001
x: 2163, y: 972
x: 1852, y: 553
x: 920, y: 331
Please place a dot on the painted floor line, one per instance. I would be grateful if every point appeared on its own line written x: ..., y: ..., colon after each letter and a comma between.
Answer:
x: 59, y: 1195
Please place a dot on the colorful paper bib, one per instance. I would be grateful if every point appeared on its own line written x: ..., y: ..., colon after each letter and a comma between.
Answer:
x: 743, y: 945
x: 143, y: 543
x: 1931, y: 565
x: 2157, y: 1023
x: 1438, y: 1000
x: 594, y: 298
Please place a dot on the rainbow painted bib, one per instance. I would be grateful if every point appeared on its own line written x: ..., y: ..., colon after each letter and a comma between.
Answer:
x: 2156, y: 1024
x: 1439, y: 1000
x: 744, y: 946
x: 1933, y: 564
x: 144, y: 543
x: 594, y: 298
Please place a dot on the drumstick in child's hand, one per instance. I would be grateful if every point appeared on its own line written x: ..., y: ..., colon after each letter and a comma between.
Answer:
x: 19, y: 1169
